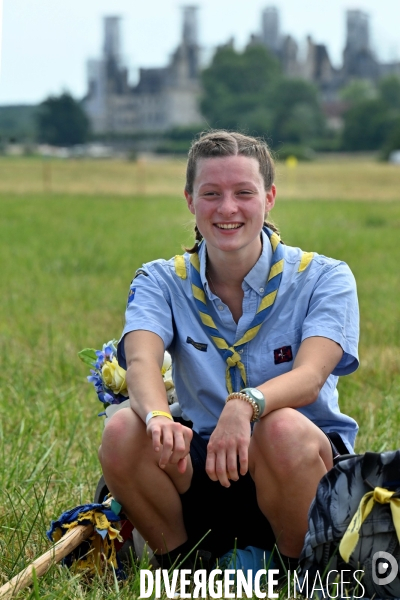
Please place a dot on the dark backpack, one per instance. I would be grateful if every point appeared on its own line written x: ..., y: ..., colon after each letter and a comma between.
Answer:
x: 376, y: 551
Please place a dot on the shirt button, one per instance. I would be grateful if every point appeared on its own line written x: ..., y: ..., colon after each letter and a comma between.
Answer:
x: 261, y: 290
x: 240, y: 351
x: 220, y: 307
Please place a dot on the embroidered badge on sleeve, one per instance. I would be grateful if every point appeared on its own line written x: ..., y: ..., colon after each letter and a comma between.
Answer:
x: 131, y: 295
x: 282, y: 355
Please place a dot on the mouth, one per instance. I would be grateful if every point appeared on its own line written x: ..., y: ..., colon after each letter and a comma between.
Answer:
x: 226, y: 226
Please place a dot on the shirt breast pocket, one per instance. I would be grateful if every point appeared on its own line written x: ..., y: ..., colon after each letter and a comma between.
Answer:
x: 278, y: 353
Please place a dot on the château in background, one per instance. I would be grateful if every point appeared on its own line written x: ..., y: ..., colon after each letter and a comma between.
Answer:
x: 163, y: 97
x: 167, y: 97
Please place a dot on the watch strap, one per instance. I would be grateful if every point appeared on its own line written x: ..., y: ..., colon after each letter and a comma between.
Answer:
x: 257, y: 397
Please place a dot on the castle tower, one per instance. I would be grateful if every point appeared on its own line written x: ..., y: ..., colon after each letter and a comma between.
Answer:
x: 358, y: 58
x: 270, y: 35
x: 116, y: 74
x: 289, y: 62
x: 357, y: 25
x: 164, y: 97
x: 190, y: 26
x: 112, y: 38
x: 189, y: 45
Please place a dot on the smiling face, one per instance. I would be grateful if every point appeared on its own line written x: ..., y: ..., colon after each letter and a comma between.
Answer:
x: 230, y: 202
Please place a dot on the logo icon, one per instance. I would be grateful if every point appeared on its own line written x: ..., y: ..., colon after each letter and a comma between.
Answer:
x: 282, y: 355
x: 384, y: 568
x: 131, y: 295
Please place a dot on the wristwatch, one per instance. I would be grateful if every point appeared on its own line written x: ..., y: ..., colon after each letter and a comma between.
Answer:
x: 257, y: 397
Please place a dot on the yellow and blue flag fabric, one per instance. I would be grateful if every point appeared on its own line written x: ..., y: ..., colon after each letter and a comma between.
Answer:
x: 99, y: 549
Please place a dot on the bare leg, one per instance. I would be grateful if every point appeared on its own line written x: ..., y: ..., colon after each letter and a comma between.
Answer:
x: 148, y: 494
x: 288, y: 455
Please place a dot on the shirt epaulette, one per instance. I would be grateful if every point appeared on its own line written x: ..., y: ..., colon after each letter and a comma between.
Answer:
x: 180, y: 266
x: 306, y: 258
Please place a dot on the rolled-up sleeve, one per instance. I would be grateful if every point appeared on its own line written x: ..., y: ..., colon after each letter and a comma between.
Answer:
x: 148, y: 308
x: 333, y: 313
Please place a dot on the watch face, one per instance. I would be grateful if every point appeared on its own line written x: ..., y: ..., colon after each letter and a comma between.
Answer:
x: 257, y: 394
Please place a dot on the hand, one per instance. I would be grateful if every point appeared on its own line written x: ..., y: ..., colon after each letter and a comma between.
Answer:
x: 230, y: 440
x: 173, y: 439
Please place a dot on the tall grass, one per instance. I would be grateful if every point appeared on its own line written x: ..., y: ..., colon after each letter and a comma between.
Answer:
x: 66, y: 262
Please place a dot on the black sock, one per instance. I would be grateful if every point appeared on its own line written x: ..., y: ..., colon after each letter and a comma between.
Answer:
x: 176, y: 556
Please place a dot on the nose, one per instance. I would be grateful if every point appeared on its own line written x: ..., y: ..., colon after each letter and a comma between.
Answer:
x: 228, y: 204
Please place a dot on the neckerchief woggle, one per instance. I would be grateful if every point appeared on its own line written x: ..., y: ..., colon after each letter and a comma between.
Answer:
x: 230, y: 354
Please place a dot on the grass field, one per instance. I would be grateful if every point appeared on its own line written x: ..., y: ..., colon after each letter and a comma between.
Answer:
x: 330, y: 178
x: 69, y: 244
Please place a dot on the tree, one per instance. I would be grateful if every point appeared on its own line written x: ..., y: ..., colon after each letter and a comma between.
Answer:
x: 371, y: 124
x: 61, y: 121
x: 389, y: 88
x: 357, y: 91
x: 247, y: 91
x: 238, y: 88
x: 366, y: 125
x: 298, y: 116
x: 392, y: 141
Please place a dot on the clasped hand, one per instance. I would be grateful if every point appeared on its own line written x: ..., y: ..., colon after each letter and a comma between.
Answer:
x: 229, y: 441
x: 172, y: 440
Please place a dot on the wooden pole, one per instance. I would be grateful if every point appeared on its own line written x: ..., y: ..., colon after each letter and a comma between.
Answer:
x: 41, y: 565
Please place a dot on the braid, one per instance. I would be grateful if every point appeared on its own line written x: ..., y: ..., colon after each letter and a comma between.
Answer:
x: 198, y: 238
x: 271, y: 225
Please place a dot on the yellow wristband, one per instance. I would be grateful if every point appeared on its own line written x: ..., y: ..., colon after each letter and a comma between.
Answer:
x: 157, y: 413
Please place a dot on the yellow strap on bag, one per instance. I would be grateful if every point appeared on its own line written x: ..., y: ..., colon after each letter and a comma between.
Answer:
x: 367, y: 503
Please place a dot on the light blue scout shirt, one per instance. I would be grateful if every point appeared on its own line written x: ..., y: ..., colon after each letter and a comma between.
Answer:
x: 320, y: 300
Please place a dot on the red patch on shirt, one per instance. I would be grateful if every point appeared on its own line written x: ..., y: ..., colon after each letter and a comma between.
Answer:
x: 282, y: 355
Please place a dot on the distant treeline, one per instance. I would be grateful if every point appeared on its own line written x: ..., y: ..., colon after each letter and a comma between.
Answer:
x: 247, y: 91
x: 18, y: 123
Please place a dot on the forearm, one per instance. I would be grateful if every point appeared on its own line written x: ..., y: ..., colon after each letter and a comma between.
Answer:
x: 294, y: 389
x: 314, y: 362
x: 145, y: 353
x: 146, y: 388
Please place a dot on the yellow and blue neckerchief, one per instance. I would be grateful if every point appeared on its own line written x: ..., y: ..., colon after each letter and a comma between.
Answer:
x: 231, y: 354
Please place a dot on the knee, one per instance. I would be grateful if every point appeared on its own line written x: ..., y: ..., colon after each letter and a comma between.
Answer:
x: 122, y: 439
x: 284, y: 440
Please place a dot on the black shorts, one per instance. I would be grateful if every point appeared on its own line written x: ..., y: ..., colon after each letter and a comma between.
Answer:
x: 232, y: 514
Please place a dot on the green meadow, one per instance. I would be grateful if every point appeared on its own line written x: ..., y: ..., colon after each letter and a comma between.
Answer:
x: 69, y: 247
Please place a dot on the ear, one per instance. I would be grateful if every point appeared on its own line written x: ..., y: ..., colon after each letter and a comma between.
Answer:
x: 189, y: 200
x: 270, y: 198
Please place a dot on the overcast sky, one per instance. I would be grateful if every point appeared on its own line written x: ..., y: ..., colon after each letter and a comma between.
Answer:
x: 46, y: 43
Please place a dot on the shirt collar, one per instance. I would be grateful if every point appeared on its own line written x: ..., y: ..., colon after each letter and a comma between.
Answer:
x: 257, y: 276
x: 203, y: 267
